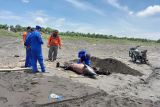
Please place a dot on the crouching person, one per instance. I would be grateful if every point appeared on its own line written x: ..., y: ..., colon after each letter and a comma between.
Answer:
x: 84, y: 57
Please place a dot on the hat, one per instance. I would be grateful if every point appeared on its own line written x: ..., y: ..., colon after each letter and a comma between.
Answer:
x: 38, y: 27
x: 55, y: 31
x: 81, y: 53
x: 28, y: 27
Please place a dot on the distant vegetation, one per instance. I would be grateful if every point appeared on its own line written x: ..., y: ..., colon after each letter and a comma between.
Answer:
x: 93, y: 35
x: 6, y: 33
x: 158, y: 41
x: 19, y: 28
x: 48, y: 30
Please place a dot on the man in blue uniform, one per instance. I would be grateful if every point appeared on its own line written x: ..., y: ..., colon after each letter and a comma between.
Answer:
x: 84, y: 57
x: 28, y: 49
x: 35, y: 41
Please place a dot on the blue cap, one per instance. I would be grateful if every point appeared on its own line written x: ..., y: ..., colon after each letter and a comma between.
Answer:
x: 82, y: 53
x: 38, y: 27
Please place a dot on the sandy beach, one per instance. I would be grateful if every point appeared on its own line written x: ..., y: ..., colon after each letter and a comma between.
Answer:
x: 129, y: 85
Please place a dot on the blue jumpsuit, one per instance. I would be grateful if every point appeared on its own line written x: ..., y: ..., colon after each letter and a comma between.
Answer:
x: 28, y: 54
x: 35, y: 41
x: 82, y: 58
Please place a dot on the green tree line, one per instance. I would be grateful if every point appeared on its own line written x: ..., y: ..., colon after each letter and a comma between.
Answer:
x: 19, y: 28
x: 48, y: 30
x: 93, y: 35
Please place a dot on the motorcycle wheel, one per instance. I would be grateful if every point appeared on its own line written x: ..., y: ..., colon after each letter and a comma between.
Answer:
x: 134, y: 58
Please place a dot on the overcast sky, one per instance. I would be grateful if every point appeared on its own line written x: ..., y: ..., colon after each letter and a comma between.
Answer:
x: 131, y: 18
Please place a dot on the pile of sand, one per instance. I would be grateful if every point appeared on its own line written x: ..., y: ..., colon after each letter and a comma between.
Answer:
x: 113, y: 66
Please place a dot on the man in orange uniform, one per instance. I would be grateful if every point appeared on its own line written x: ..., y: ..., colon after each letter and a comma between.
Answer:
x: 54, y: 41
x: 24, y: 36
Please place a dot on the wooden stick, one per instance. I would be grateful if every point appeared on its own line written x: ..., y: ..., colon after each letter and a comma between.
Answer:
x: 96, y: 94
x: 14, y: 69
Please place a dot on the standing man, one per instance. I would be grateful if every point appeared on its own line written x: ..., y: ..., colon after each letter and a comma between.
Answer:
x: 28, y: 48
x: 54, y: 41
x: 35, y: 41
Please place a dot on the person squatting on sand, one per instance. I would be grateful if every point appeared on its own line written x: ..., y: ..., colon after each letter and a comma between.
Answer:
x: 54, y: 41
x: 35, y: 42
x: 84, y: 57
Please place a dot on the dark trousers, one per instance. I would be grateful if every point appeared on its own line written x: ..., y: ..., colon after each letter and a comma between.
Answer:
x: 28, y: 57
x: 52, y: 54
